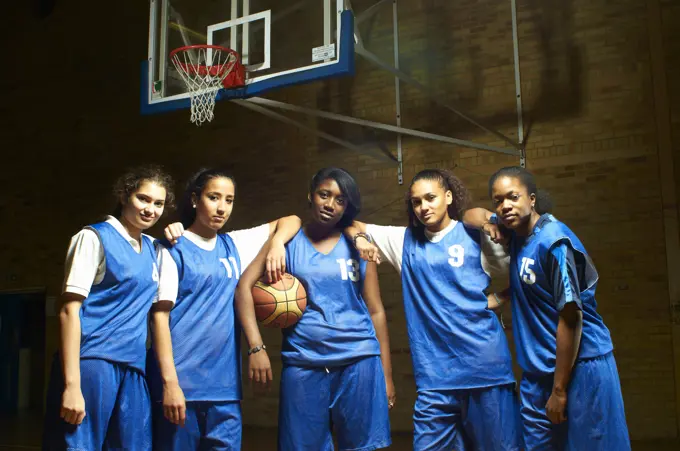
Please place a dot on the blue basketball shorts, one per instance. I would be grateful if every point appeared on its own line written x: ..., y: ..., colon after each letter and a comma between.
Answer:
x: 117, y: 409
x: 349, y: 400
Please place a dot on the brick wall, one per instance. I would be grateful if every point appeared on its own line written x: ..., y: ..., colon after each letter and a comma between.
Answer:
x: 71, y: 124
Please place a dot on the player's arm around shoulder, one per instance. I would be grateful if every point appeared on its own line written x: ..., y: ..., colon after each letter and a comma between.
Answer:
x: 371, y: 295
x: 356, y: 233
x: 259, y: 366
x: 486, y: 221
x: 281, y: 231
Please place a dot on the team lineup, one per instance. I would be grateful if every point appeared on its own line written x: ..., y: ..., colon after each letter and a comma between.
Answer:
x: 151, y: 330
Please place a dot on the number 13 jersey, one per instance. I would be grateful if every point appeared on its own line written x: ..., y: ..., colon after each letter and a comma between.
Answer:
x: 336, y: 328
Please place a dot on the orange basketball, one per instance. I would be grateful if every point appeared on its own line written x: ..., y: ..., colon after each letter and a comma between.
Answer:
x: 280, y: 304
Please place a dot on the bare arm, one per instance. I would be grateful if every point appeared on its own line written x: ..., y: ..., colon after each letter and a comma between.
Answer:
x: 371, y: 294
x: 73, y: 403
x: 476, y: 217
x: 174, y: 403
x: 569, y: 330
x: 259, y: 366
x: 498, y: 299
x: 284, y: 228
x: 566, y: 294
x: 356, y: 227
x: 479, y: 218
x: 281, y: 231
x: 367, y: 251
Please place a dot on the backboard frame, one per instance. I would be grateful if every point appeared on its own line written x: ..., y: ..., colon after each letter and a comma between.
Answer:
x: 255, y: 86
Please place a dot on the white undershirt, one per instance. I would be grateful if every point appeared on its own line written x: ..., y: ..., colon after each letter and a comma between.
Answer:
x: 390, y: 240
x: 248, y: 243
x: 85, y: 264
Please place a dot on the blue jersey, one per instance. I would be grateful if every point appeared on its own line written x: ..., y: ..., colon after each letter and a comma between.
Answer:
x: 203, y: 326
x: 336, y: 328
x: 456, y: 341
x: 113, y: 316
x: 541, y: 286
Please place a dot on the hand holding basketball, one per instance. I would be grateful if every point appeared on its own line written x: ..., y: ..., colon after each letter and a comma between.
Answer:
x: 279, y: 304
x: 276, y: 261
x: 72, y: 405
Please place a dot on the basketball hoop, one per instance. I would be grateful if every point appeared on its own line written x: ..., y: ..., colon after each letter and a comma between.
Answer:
x: 205, y: 70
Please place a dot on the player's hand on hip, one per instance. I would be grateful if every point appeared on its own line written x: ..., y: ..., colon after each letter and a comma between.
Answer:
x: 173, y: 232
x: 259, y: 368
x: 72, y: 405
x: 276, y: 261
x: 391, y: 393
x: 368, y: 251
x: 556, y: 407
x: 174, y: 403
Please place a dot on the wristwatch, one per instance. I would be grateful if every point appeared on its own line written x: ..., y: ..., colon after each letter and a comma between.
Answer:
x: 361, y: 235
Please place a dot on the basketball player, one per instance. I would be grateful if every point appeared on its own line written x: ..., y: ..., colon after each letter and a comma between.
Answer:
x: 97, y: 396
x: 570, y: 391
x: 336, y: 360
x: 461, y: 360
x: 195, y: 374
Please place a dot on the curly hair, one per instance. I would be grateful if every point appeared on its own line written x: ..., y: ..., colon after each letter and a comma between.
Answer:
x: 194, y: 188
x: 133, y: 178
x: 448, y: 181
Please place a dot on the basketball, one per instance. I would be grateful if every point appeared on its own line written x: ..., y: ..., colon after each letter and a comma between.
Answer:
x: 280, y: 304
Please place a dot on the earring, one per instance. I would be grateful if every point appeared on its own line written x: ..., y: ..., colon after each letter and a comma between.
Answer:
x: 194, y: 205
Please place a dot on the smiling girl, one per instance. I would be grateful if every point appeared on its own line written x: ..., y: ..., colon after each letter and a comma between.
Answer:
x: 97, y: 396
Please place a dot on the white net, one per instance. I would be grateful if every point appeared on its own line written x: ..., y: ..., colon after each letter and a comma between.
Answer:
x: 203, y: 69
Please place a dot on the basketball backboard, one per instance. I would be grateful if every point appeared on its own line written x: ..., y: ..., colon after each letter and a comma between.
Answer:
x: 281, y: 43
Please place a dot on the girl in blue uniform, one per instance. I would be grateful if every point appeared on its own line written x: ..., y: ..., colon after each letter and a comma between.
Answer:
x: 570, y: 390
x: 461, y: 361
x: 194, y: 368
x: 336, y: 359
x: 97, y: 396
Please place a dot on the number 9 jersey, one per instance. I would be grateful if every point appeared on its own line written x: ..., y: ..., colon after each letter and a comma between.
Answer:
x: 456, y: 341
